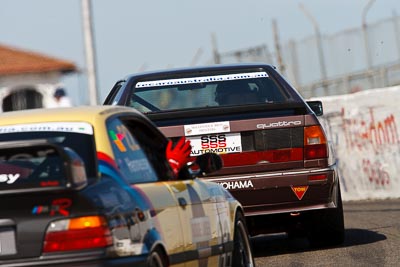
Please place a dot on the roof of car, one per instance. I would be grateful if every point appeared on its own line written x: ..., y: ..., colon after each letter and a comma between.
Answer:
x: 89, y: 114
x: 173, y: 71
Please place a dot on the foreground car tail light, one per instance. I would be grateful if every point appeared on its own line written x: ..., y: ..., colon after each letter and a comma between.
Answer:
x: 77, y: 233
x: 315, y: 145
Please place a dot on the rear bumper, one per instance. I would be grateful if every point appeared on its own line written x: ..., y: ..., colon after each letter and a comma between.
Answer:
x: 275, y: 192
x: 88, y: 261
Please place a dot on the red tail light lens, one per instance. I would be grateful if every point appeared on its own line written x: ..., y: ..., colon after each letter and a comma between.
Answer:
x: 77, y: 233
x: 315, y: 145
x: 254, y: 157
x: 317, y: 177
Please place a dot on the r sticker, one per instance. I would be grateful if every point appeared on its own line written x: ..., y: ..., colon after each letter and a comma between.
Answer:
x: 299, y: 191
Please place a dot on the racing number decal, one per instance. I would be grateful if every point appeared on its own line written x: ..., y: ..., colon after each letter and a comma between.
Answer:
x: 213, y: 141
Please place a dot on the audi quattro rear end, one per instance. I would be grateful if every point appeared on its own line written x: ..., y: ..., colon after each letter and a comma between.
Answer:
x: 277, y: 159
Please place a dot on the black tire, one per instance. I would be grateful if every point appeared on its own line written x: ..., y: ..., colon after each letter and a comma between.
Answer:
x: 157, y: 259
x: 327, y: 228
x: 242, y: 252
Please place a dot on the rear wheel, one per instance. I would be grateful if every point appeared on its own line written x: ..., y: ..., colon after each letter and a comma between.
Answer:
x: 156, y: 259
x: 242, y: 253
x: 327, y: 228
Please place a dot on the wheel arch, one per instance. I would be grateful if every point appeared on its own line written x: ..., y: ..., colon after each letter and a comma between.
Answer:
x: 154, y: 242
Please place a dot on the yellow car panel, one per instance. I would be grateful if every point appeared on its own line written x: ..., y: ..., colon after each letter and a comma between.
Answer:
x: 188, y: 222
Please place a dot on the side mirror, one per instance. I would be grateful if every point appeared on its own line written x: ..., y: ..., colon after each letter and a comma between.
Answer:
x: 209, y: 162
x: 316, y: 106
x: 205, y: 164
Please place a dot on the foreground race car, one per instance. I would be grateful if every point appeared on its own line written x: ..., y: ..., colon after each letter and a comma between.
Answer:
x: 277, y: 160
x: 91, y: 186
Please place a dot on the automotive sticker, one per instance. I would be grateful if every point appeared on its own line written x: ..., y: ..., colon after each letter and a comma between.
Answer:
x: 299, y: 191
x: 203, y: 79
x: 73, y: 127
x: 9, y: 178
x: 117, y: 138
x: 221, y: 143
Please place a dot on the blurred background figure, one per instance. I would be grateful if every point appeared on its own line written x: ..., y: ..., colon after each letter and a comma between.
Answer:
x: 61, y: 99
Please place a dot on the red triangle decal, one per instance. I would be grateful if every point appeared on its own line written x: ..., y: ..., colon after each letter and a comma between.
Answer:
x: 299, y: 191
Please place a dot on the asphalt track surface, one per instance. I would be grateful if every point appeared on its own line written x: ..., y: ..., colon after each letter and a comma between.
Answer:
x: 372, y: 239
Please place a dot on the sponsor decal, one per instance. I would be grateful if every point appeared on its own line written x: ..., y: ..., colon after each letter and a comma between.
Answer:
x: 9, y: 178
x: 299, y: 191
x: 216, y: 143
x: 71, y: 127
x: 278, y: 124
x: 58, y: 206
x: 236, y: 184
x: 202, y: 79
x: 117, y: 139
x: 207, y: 128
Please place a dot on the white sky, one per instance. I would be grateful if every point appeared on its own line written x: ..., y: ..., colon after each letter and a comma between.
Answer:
x: 154, y: 34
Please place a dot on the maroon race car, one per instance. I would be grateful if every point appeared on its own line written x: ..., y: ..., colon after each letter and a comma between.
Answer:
x: 277, y: 160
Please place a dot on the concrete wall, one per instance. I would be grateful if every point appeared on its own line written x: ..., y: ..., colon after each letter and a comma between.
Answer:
x: 364, y: 128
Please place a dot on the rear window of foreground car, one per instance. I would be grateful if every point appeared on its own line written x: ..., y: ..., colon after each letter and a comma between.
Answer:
x: 211, y: 90
x: 29, y: 167
x: 41, y: 166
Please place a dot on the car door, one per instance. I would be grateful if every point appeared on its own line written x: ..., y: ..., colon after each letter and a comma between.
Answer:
x: 201, y: 210
x: 136, y: 168
x: 188, y: 200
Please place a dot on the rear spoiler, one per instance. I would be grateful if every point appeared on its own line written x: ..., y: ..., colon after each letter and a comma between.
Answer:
x: 39, y: 165
x: 251, y: 111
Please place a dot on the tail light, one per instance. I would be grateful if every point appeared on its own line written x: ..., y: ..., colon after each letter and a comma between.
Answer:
x: 318, y: 177
x: 77, y: 233
x: 315, y: 145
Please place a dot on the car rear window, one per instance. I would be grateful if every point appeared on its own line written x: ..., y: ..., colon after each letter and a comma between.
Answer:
x: 252, y: 87
x: 76, y: 136
x: 30, y: 167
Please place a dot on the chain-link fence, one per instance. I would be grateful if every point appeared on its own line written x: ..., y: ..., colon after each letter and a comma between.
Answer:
x: 348, y: 61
